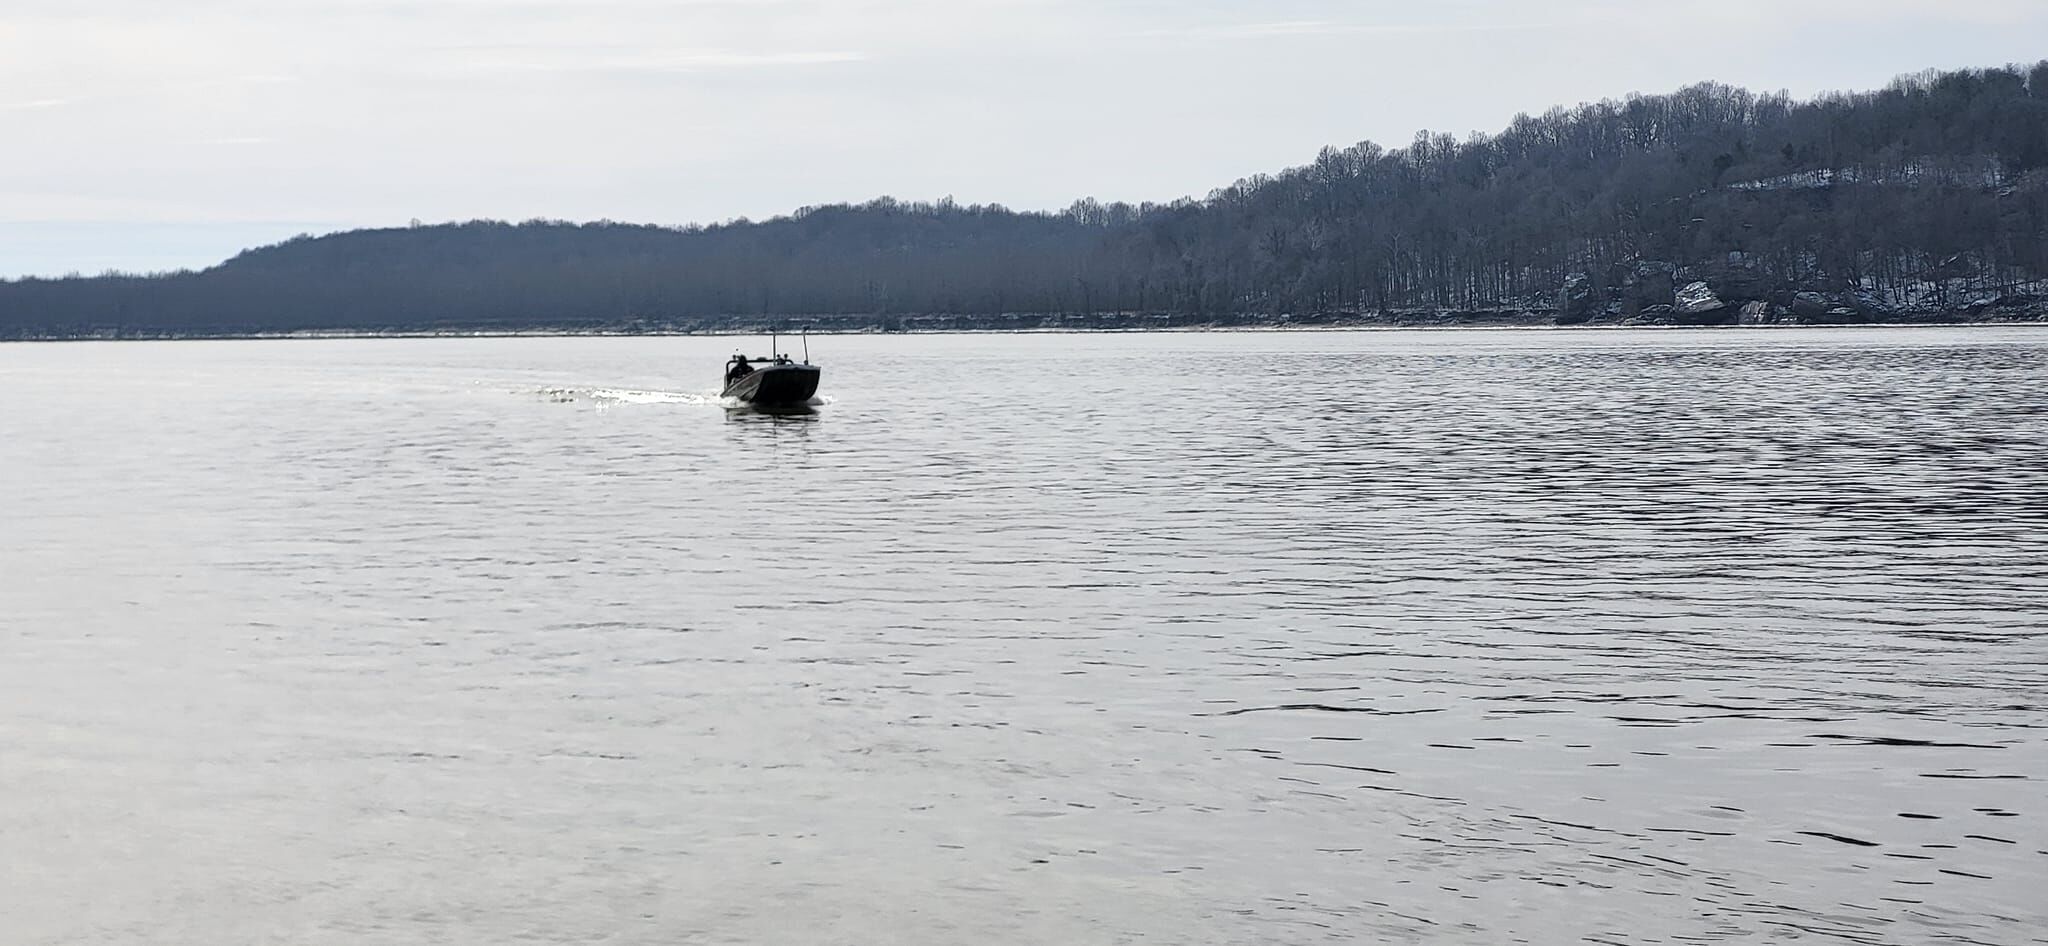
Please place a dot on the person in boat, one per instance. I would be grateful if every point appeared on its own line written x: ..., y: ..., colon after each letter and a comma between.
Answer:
x: 739, y: 368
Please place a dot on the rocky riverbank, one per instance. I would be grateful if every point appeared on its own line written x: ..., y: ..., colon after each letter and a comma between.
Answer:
x: 1734, y: 293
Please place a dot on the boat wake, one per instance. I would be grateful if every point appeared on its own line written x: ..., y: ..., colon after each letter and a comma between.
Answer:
x: 607, y: 397
x: 615, y: 397
x: 733, y: 403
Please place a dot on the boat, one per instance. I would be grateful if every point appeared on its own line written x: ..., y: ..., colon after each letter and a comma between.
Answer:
x: 774, y: 382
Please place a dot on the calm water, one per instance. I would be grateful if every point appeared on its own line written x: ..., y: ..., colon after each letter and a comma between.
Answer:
x: 1466, y: 637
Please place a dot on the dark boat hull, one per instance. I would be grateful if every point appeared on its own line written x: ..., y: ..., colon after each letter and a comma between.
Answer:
x: 777, y: 386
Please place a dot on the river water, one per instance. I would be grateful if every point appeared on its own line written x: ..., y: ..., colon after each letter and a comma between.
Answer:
x: 1373, y: 637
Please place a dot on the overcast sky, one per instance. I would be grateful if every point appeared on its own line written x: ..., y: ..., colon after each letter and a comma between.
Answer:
x: 142, y: 134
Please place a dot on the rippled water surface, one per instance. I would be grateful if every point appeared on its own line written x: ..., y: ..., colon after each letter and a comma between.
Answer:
x: 1466, y: 637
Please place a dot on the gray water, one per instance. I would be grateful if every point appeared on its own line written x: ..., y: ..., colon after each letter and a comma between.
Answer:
x: 1463, y: 637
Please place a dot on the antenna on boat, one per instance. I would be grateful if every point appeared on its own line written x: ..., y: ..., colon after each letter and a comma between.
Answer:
x: 772, y: 350
x: 807, y: 344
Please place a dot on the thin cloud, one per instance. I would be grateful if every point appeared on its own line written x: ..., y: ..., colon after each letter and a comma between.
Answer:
x: 1278, y: 28
x: 1794, y: 14
x: 34, y: 104
x: 1287, y: 28
x: 559, y: 59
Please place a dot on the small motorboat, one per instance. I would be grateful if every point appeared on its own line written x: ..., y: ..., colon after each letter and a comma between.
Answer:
x: 774, y: 382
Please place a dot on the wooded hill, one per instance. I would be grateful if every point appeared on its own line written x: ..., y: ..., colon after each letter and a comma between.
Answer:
x: 1927, y: 200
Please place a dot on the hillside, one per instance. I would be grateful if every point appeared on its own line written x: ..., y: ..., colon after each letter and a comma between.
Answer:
x: 1925, y: 201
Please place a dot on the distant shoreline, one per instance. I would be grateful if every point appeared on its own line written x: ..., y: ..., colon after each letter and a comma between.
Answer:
x: 1709, y: 206
x: 564, y: 332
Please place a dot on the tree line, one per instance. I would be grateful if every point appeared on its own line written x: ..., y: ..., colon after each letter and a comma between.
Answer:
x: 1928, y: 197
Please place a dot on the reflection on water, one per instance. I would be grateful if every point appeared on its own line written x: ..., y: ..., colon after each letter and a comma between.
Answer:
x: 756, y: 414
x: 1469, y: 637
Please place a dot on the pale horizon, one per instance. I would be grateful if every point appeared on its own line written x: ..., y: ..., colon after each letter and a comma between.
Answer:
x: 150, y: 139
